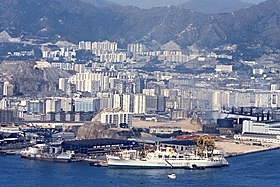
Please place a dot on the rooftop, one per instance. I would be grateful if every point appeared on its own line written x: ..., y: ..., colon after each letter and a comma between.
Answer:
x: 98, y: 142
x: 179, y: 142
x: 259, y: 135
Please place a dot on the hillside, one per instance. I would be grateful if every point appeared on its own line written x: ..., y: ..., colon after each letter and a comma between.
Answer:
x: 50, y: 20
x: 38, y: 81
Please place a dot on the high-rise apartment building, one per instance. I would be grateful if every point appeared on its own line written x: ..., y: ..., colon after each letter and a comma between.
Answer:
x: 52, y: 105
x: 127, y: 102
x: 8, y: 89
x: 117, y: 101
x: 136, y: 48
x: 139, y: 104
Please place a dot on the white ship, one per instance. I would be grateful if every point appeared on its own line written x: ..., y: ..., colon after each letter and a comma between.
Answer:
x: 37, y: 152
x: 164, y: 158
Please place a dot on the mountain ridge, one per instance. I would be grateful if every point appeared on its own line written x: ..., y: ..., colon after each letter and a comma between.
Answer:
x: 73, y: 20
x: 215, y: 6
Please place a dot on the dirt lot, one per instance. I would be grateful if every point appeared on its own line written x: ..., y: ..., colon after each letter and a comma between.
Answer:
x: 186, y: 124
x: 234, y: 147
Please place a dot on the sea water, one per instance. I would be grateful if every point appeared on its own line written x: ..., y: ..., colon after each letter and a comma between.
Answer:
x: 259, y: 169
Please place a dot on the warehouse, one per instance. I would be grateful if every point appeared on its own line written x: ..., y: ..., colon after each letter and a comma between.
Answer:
x: 98, y: 146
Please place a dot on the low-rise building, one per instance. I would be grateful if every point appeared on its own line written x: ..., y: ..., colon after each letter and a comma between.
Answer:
x: 223, y: 68
x: 163, y: 129
x: 263, y: 138
x: 263, y: 127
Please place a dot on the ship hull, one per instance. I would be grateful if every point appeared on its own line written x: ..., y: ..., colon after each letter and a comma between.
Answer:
x: 114, y: 162
x: 42, y: 158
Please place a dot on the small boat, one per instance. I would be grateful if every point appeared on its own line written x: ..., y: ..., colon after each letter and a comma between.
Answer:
x: 10, y: 153
x: 172, y: 176
x: 99, y: 164
x: 194, y: 167
x: 2, y: 153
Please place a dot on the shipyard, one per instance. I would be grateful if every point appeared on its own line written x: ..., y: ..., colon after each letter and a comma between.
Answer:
x: 147, y: 144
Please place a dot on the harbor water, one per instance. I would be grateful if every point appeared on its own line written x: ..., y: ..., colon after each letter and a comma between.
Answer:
x: 259, y: 169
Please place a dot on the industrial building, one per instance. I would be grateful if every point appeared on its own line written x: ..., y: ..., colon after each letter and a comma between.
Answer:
x: 179, y: 145
x: 98, y: 146
x: 260, y: 131
x: 263, y: 127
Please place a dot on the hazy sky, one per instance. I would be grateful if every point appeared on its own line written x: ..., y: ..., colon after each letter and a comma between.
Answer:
x: 153, y: 3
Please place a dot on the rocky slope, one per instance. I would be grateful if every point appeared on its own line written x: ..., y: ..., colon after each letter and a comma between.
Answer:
x: 38, y: 81
x: 95, y: 130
